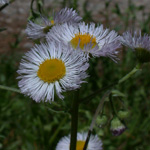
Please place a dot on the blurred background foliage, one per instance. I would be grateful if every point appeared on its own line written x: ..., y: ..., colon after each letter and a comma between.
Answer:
x: 26, y: 125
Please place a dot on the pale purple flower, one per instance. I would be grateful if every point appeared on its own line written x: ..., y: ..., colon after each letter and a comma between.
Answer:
x: 138, y: 43
x: 135, y: 40
x: 96, y: 41
x: 40, y: 27
x: 49, y: 68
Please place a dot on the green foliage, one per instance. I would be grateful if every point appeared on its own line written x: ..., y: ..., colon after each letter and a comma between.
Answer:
x: 26, y: 125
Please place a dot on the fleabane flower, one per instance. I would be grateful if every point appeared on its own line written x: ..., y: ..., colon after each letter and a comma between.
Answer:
x: 94, y: 142
x: 139, y: 44
x: 40, y: 27
x: 4, y: 1
x: 51, y: 67
x: 96, y: 41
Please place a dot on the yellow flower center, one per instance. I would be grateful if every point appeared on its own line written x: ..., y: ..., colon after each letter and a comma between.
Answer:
x: 51, y: 70
x: 80, y: 145
x: 84, y: 39
x: 52, y: 22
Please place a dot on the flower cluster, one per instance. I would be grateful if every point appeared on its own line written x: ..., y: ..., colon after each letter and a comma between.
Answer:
x: 42, y: 25
x: 60, y: 62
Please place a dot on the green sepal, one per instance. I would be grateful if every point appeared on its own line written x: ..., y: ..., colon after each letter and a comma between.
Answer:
x: 142, y: 54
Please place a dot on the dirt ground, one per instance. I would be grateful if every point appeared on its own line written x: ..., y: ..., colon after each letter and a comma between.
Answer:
x: 14, y: 18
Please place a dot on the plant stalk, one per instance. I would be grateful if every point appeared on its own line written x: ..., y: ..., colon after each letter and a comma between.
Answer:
x: 124, y: 78
x: 100, y: 106
x: 9, y: 89
x: 98, y: 110
x: 132, y: 72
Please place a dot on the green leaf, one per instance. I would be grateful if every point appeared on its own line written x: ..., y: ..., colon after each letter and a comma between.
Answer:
x: 117, y: 93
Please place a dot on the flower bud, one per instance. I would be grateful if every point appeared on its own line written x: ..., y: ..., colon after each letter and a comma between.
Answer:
x: 100, y: 132
x: 117, y: 127
x: 101, y: 120
x: 123, y: 114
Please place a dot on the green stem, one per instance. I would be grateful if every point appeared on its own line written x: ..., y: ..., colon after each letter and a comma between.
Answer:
x: 98, y: 110
x: 112, y: 105
x: 75, y: 4
x: 88, y: 98
x: 74, y: 121
x: 31, y: 7
x: 100, y: 106
x: 9, y: 89
x: 132, y: 72
x: 94, y: 94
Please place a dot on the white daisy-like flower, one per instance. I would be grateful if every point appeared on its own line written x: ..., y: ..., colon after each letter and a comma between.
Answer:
x: 138, y: 43
x: 43, y: 25
x: 96, y: 41
x: 94, y: 142
x: 136, y: 40
x: 4, y: 1
x: 51, y: 67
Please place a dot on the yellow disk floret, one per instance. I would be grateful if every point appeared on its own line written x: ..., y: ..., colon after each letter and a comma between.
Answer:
x: 52, y: 22
x: 80, y: 145
x: 51, y: 70
x: 84, y: 39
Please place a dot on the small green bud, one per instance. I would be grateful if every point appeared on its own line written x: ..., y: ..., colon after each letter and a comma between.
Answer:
x: 100, y: 132
x: 123, y: 114
x: 101, y: 120
x: 142, y: 54
x: 117, y: 127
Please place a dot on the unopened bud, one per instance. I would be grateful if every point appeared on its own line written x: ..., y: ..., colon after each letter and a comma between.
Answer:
x: 117, y: 127
x: 101, y: 120
x: 123, y: 114
x: 100, y: 132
